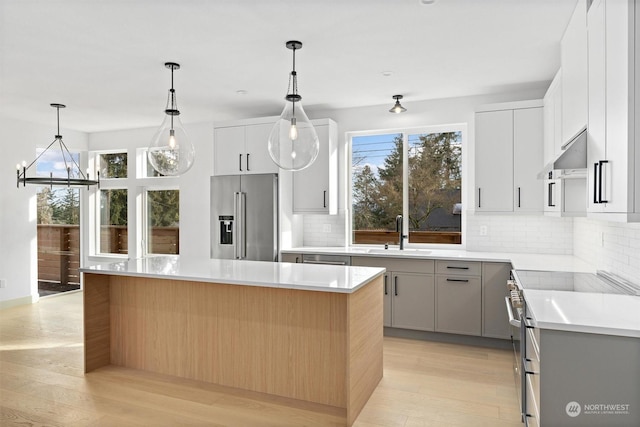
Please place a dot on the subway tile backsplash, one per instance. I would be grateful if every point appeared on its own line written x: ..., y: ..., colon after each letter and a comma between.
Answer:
x: 324, y: 230
x: 518, y: 233
x: 610, y: 246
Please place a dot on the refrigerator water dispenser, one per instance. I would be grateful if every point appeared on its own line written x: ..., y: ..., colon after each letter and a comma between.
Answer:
x: 226, y: 229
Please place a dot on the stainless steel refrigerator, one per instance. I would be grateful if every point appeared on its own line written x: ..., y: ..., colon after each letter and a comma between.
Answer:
x: 244, y: 217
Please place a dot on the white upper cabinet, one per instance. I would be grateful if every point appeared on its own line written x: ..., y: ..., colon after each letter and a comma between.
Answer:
x: 242, y: 148
x: 573, y: 54
x: 527, y: 159
x: 612, y: 151
x: 553, y: 119
x: 494, y: 161
x: 509, y: 151
x: 315, y: 188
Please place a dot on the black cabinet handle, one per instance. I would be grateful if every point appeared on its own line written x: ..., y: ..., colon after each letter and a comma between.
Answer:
x: 240, y: 162
x: 297, y: 260
x: 385, y: 286
x: 453, y: 267
x: 600, y: 200
x: 479, y: 204
x: 248, y: 162
x: 518, y: 196
x: 324, y: 198
x: 457, y: 280
x: 595, y: 186
x: 550, y: 195
x: 395, y: 285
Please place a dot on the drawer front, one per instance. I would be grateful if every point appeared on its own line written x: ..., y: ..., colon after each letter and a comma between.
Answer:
x: 459, y: 268
x: 532, y: 417
x: 396, y: 264
x: 532, y: 347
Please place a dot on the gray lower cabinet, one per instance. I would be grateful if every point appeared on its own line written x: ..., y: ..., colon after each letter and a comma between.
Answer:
x: 409, y: 290
x: 291, y: 258
x: 458, y: 294
x: 495, y: 321
x: 579, y: 379
x: 412, y: 301
x: 458, y: 305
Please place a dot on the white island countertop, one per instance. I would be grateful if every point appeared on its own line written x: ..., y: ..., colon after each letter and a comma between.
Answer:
x: 325, y: 278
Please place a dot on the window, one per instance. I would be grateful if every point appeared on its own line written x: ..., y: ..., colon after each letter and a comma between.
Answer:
x: 114, y: 236
x: 113, y: 165
x: 163, y: 221
x: 413, y: 174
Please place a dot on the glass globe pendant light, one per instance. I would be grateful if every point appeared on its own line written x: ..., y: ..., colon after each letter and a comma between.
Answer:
x: 171, y: 152
x: 293, y: 141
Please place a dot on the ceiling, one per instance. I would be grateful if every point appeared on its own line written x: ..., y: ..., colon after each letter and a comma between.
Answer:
x: 104, y: 59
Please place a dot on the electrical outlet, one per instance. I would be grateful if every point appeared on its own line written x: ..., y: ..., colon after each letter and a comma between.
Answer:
x: 483, y: 230
x: 3, y: 283
x: 326, y: 228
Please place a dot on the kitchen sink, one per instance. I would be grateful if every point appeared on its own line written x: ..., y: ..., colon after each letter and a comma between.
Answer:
x: 396, y: 251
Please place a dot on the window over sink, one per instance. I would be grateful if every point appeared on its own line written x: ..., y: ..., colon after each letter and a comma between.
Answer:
x: 416, y: 173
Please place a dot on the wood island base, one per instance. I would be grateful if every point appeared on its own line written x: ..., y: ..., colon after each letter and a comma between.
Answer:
x: 321, y: 347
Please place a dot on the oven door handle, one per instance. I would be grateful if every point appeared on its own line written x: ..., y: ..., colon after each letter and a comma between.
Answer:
x: 512, y: 318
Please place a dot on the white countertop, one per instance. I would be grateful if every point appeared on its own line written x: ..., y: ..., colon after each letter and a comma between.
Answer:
x: 326, y: 278
x: 520, y: 261
x: 595, y: 313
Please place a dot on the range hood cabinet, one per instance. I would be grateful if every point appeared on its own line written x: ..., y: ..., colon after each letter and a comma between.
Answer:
x: 572, y: 162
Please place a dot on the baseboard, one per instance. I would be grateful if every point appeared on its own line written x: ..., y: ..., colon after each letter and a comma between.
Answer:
x: 19, y: 301
x: 449, y: 338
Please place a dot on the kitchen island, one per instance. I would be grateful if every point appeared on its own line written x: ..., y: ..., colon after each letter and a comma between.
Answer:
x: 305, y: 332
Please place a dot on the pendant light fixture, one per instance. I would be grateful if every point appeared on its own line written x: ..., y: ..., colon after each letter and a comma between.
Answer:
x: 171, y: 152
x: 293, y: 141
x: 75, y: 177
x: 397, y: 108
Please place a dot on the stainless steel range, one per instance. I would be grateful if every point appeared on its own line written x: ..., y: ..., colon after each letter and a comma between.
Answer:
x: 587, y: 379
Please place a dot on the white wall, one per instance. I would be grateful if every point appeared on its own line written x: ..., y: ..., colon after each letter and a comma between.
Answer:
x: 18, y: 230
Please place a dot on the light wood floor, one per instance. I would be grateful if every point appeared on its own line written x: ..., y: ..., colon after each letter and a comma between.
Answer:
x: 42, y: 384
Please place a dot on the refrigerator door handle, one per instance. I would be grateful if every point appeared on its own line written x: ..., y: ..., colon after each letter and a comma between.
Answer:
x: 242, y: 240
x: 236, y: 226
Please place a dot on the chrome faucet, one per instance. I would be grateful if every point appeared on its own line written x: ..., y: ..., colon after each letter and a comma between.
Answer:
x: 399, y: 227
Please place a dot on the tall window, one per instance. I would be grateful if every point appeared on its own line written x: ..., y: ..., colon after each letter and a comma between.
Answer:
x: 58, y: 215
x: 113, y: 235
x: 413, y: 174
x: 163, y: 221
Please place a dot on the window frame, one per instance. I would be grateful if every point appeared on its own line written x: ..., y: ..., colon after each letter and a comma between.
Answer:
x: 405, y: 132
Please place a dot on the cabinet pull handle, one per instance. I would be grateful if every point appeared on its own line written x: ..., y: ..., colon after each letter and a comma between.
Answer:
x: 385, y: 286
x: 458, y: 280
x: 297, y: 260
x: 248, y: 162
x: 395, y: 285
x: 518, y: 196
x: 595, y: 186
x: 324, y: 198
x: 601, y: 163
x: 550, y: 195
x: 453, y: 267
x: 240, y: 162
x: 479, y: 204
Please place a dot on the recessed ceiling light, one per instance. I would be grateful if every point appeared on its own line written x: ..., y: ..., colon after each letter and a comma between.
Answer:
x: 241, y: 92
x: 387, y: 73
